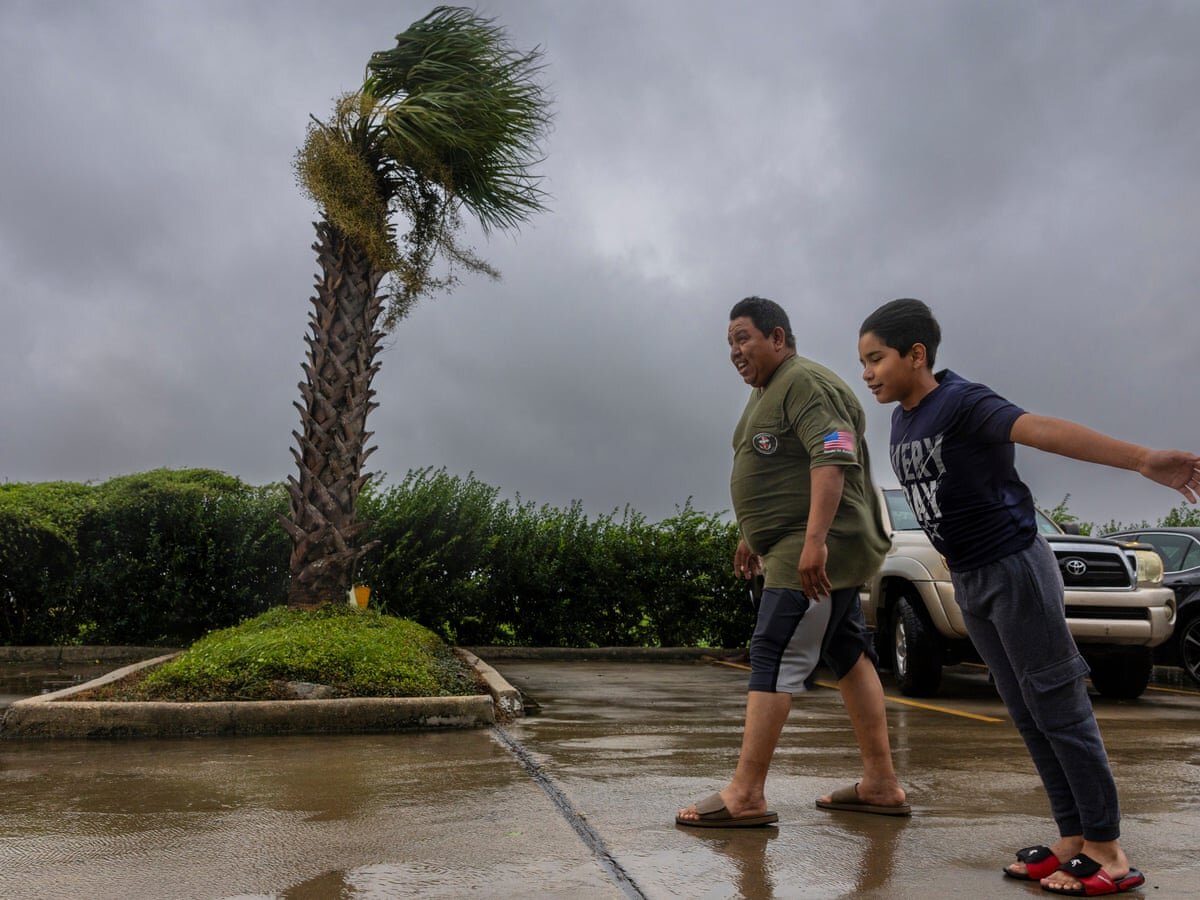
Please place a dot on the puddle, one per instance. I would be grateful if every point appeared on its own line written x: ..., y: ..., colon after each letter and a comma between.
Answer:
x: 19, y: 680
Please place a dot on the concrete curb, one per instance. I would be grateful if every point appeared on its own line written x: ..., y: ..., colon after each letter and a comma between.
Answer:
x: 631, y: 654
x: 506, y: 697
x: 55, y: 715
x: 77, y: 655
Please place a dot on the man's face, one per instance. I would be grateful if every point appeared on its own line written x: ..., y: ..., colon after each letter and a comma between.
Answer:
x: 755, y: 355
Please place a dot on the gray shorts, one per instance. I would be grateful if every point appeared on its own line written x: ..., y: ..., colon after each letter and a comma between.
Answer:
x: 793, y: 635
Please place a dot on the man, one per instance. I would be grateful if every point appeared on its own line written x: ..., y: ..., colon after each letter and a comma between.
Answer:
x: 809, y: 520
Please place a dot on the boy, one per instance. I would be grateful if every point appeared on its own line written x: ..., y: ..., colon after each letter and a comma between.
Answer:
x: 952, y: 448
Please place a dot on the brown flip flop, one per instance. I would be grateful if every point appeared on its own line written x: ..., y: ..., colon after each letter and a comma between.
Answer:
x: 846, y: 800
x: 713, y: 814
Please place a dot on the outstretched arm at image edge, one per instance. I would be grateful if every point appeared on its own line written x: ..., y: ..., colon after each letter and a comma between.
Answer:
x: 1176, y: 469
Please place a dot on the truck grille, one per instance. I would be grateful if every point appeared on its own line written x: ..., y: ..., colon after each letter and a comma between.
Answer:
x: 1093, y: 567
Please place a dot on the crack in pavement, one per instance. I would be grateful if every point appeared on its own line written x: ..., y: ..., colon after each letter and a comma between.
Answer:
x: 575, y: 819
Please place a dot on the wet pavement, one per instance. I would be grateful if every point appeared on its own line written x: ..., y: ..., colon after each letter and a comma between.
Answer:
x: 21, y: 680
x: 578, y: 801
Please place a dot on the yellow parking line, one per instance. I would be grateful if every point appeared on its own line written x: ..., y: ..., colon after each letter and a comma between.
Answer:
x: 1167, y: 690
x: 906, y: 702
x: 1152, y: 687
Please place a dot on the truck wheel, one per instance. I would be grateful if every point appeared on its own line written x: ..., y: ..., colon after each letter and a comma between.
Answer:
x: 882, y: 641
x: 1188, y: 636
x: 917, y: 651
x: 1122, y: 675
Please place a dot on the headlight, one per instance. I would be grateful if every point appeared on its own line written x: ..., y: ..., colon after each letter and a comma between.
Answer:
x: 1149, y: 567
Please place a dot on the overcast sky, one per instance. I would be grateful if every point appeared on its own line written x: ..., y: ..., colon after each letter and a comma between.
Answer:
x: 1029, y: 169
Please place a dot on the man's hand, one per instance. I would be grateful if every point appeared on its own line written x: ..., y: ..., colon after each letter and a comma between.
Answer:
x: 745, y: 563
x: 813, y: 580
x: 1174, y: 468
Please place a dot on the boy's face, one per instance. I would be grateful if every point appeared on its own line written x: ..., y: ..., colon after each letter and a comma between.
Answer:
x: 892, y: 378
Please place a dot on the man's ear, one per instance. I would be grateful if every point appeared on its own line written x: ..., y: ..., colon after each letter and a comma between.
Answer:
x: 778, y: 336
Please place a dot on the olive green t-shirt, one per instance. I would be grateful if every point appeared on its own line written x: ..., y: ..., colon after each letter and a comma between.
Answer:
x: 806, y: 417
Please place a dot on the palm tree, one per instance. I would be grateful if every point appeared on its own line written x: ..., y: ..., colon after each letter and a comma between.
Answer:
x: 450, y: 119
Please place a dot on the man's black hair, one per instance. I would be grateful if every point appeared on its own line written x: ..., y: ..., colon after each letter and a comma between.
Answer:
x: 767, y: 315
x: 902, y: 323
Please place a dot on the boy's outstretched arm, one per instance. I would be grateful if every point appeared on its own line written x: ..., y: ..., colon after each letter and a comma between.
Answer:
x: 1174, y: 468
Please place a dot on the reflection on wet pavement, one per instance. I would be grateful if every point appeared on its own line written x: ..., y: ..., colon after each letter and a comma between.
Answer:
x: 21, y: 680
x: 452, y: 814
x: 253, y: 816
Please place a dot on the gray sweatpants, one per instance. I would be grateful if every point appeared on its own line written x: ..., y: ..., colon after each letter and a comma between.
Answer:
x: 1014, y: 613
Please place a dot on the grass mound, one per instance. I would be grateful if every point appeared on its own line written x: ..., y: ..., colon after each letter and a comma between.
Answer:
x: 358, y: 653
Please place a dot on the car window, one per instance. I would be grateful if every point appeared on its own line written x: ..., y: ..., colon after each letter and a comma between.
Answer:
x: 901, y: 514
x: 1045, y: 524
x: 904, y: 519
x: 1173, y: 548
x: 1179, y: 551
x: 1192, y: 560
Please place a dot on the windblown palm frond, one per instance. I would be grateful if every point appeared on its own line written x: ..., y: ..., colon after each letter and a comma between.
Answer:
x: 466, y: 110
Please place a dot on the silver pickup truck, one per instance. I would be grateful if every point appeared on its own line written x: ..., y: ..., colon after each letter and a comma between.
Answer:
x: 1117, y: 609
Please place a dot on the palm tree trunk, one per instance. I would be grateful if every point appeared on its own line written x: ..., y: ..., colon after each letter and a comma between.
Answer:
x: 336, y: 397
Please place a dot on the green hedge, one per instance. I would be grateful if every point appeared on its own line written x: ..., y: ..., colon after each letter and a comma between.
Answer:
x: 480, y: 571
x: 157, y: 558
x: 166, y: 556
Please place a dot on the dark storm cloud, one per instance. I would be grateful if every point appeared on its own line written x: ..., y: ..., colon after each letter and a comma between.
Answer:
x: 1027, y: 168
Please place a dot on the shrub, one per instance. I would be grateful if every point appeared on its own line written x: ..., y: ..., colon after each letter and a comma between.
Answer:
x: 697, y: 598
x: 434, y: 533
x: 36, y: 563
x: 358, y: 653
x: 166, y: 556
x: 561, y: 579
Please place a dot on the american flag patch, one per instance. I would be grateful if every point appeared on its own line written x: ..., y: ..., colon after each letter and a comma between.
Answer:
x: 839, y: 442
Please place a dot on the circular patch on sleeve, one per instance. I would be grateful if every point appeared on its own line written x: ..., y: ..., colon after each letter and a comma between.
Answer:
x: 765, y: 443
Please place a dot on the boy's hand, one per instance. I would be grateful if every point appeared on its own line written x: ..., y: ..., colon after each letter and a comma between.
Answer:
x: 813, y: 579
x: 1174, y: 468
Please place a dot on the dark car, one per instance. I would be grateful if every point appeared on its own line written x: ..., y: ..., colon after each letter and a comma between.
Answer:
x: 1180, y: 550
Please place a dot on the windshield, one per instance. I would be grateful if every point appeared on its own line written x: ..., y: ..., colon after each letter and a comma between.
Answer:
x: 903, y: 518
x: 1045, y: 524
x: 901, y: 514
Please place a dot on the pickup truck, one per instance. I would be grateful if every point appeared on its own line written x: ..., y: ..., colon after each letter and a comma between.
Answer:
x: 1116, y: 607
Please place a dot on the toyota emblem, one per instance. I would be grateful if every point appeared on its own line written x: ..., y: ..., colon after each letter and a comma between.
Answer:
x: 1075, y: 566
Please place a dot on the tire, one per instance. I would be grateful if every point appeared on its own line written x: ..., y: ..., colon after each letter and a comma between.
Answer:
x: 1187, y: 636
x: 917, y: 651
x: 881, y: 639
x: 1122, y: 675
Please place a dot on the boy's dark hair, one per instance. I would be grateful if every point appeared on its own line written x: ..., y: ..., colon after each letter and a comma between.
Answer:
x: 902, y: 323
x: 767, y: 315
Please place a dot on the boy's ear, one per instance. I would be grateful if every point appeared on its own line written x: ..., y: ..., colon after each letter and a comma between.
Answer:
x: 919, y: 354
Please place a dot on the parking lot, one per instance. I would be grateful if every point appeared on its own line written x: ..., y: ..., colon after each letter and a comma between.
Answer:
x: 577, y: 800
x: 973, y: 789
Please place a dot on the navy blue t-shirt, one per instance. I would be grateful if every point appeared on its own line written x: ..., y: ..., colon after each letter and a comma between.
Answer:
x: 954, y: 459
